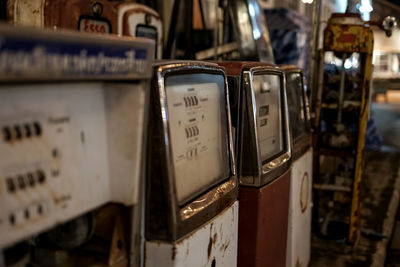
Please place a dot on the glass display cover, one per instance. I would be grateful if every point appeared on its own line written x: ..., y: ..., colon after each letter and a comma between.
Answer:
x: 267, y: 92
x: 295, y: 100
x: 198, y: 132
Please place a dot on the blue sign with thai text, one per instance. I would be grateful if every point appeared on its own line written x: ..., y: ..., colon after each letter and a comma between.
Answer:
x: 21, y: 56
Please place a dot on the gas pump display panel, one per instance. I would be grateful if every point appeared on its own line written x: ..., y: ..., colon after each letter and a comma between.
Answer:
x: 266, y: 99
x: 197, y: 126
x: 190, y: 164
x: 258, y: 95
x: 269, y: 120
x: 296, y: 105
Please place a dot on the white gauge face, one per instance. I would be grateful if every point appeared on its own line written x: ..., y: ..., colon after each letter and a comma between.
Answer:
x: 267, y: 88
x: 198, y: 132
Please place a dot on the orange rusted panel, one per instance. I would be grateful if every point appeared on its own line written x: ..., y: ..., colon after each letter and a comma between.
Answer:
x: 354, y: 36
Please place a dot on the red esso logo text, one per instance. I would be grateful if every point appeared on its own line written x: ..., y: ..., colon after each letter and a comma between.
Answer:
x: 93, y: 26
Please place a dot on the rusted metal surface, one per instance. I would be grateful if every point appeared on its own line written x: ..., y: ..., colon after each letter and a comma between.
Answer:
x: 263, y: 223
x: 26, y: 12
x: 213, y: 244
x: 348, y: 33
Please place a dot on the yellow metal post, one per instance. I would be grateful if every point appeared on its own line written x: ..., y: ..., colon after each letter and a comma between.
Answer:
x: 355, y: 226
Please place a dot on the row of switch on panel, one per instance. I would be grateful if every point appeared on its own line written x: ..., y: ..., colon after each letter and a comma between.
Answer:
x: 23, y: 215
x: 18, y: 132
x: 22, y: 181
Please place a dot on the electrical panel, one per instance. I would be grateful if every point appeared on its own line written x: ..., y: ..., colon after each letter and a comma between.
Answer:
x: 66, y: 149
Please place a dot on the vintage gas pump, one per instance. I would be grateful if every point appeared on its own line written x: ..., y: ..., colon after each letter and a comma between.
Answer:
x: 260, y: 121
x: 102, y: 16
x: 72, y: 129
x: 299, y: 228
x: 341, y: 109
x: 191, y: 195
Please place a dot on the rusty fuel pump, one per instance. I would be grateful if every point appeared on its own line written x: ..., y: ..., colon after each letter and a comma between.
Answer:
x: 262, y: 139
x: 341, y: 114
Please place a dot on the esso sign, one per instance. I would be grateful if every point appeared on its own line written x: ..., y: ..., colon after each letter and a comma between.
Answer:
x: 93, y: 26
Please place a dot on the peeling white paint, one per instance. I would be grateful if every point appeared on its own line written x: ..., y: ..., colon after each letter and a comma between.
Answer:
x: 215, y: 241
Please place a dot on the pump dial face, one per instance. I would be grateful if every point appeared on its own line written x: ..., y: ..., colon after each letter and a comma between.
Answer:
x: 267, y: 88
x: 198, y: 132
